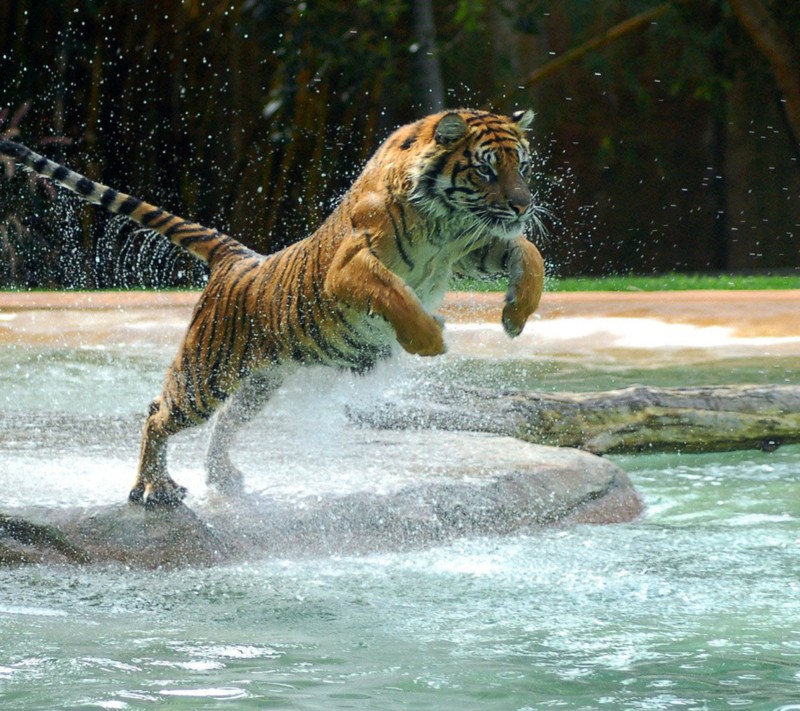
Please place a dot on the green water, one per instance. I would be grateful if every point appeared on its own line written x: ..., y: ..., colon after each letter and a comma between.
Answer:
x: 695, y: 606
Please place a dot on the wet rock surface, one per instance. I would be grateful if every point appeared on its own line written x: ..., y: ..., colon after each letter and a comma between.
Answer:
x: 517, y: 487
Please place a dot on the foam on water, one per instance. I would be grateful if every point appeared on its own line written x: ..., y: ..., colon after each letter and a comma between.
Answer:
x: 582, y: 334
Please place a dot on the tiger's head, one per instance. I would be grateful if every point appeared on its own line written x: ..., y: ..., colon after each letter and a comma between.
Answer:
x: 475, y: 166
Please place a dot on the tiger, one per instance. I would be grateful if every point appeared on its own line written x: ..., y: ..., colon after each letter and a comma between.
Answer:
x: 448, y: 193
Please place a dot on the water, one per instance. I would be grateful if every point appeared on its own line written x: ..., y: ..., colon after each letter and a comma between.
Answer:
x: 695, y: 606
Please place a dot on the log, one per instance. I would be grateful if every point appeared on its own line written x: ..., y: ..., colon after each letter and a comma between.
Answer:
x: 630, y: 420
x: 524, y: 488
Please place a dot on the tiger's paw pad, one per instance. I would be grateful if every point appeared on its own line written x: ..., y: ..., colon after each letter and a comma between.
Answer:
x: 167, y: 495
x: 224, y: 477
x: 136, y: 495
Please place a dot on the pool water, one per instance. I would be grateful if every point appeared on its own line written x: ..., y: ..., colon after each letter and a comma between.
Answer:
x: 694, y: 606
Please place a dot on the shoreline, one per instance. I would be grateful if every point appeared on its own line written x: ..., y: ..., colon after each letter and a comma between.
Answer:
x: 83, y: 318
x: 750, y: 313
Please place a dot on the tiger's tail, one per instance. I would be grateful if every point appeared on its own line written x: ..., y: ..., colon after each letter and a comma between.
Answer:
x: 202, y: 242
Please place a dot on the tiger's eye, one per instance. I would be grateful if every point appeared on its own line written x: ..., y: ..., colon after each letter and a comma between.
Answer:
x: 485, y: 171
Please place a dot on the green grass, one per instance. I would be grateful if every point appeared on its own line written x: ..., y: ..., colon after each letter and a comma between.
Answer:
x: 664, y: 282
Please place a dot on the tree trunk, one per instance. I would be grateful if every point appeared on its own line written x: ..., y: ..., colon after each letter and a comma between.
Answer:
x: 779, y: 51
x: 636, y: 419
x: 429, y: 72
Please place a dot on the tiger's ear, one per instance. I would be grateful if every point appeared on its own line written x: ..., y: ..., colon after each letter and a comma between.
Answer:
x: 450, y: 128
x: 523, y: 118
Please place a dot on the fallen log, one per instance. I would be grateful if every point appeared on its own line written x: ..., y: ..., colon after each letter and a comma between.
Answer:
x: 634, y: 419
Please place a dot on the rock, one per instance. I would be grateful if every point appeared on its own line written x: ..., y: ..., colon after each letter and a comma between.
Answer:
x: 535, y: 488
x: 34, y: 543
x: 141, y: 538
x: 514, y: 487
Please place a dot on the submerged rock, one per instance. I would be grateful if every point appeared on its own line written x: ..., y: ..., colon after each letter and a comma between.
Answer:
x: 515, y: 487
x: 553, y: 487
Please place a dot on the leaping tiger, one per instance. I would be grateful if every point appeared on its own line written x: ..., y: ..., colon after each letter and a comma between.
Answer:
x: 449, y: 191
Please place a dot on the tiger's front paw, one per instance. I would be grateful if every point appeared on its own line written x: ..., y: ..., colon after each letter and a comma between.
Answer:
x: 424, y: 337
x: 520, y: 304
x: 525, y: 286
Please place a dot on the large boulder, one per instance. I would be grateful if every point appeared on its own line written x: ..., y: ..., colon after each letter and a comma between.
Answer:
x: 438, y: 486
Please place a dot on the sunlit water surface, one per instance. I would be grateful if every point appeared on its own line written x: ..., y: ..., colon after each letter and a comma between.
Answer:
x: 695, y: 606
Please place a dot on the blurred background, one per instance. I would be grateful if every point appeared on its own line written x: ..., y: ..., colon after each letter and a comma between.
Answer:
x: 667, y: 134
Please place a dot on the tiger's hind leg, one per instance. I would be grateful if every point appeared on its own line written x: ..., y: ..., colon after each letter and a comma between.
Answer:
x: 238, y: 410
x: 153, y: 485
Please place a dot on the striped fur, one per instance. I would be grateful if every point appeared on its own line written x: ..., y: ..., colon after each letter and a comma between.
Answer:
x: 196, y: 239
x: 448, y: 192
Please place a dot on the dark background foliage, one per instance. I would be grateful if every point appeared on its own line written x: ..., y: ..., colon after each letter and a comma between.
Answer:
x: 667, y: 149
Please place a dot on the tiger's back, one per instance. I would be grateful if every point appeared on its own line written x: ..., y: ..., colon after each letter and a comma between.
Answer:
x: 263, y: 311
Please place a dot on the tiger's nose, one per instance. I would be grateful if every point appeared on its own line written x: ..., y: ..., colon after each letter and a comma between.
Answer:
x: 519, y: 199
